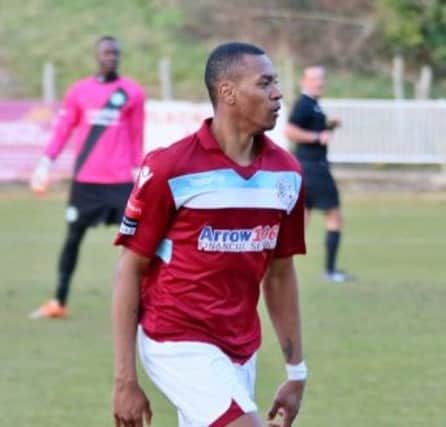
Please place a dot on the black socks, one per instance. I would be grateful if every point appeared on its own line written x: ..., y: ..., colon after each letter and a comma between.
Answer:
x: 332, y: 239
x: 68, y: 260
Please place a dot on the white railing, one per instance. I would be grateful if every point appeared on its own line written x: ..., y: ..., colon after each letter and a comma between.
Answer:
x: 407, y: 132
x: 386, y: 131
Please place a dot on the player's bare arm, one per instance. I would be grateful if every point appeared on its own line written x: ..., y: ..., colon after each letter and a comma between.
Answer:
x: 130, y: 404
x: 299, y: 135
x: 280, y: 289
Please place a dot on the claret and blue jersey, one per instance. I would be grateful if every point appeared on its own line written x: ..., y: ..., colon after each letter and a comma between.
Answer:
x: 211, y: 228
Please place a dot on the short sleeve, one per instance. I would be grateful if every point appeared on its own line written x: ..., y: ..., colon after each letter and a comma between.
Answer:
x: 149, y: 210
x: 300, y: 114
x: 291, y: 240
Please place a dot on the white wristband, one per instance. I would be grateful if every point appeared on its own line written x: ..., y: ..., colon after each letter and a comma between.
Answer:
x: 297, y: 372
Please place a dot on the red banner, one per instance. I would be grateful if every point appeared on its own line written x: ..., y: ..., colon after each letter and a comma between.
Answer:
x: 25, y: 128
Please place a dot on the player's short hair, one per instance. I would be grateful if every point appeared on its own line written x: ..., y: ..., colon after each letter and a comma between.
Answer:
x: 105, y: 39
x: 223, y: 62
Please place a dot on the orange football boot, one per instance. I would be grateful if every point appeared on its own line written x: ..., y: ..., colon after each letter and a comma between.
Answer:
x: 50, y: 310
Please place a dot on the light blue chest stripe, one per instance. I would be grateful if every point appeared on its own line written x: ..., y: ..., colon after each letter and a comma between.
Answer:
x: 164, y: 250
x: 185, y: 187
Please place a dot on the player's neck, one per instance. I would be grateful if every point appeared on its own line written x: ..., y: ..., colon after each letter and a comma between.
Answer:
x: 234, y: 142
x: 107, y: 77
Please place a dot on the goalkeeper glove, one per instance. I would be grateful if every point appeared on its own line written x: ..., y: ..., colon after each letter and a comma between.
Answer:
x: 40, y: 178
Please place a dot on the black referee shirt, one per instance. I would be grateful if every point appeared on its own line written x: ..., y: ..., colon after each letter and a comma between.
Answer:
x: 308, y: 115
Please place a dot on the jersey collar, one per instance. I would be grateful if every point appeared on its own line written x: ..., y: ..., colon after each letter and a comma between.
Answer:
x: 109, y: 78
x: 208, y: 141
x: 309, y: 96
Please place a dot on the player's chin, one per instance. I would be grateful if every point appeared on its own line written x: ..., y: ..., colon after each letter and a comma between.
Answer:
x: 270, y: 122
x: 264, y: 123
x: 111, y: 66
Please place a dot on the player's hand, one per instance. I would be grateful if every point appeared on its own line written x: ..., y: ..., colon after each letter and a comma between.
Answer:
x: 325, y: 137
x: 40, y: 178
x: 334, y: 123
x: 286, y: 404
x: 130, y: 405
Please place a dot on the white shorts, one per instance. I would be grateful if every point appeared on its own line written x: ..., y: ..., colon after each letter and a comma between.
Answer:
x: 206, y: 387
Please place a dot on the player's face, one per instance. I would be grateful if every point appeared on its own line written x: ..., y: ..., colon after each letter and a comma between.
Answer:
x: 257, y: 95
x: 108, y: 55
x: 314, y: 82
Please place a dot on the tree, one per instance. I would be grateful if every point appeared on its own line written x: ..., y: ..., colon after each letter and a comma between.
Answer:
x: 414, y: 28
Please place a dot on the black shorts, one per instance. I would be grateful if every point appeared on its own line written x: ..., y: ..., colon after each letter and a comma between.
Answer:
x: 320, y: 187
x: 92, y: 204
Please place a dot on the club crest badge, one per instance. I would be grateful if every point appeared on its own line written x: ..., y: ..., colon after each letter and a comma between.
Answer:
x: 286, y: 193
x: 118, y: 99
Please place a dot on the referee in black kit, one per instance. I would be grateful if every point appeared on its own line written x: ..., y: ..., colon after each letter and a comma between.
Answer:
x: 312, y: 131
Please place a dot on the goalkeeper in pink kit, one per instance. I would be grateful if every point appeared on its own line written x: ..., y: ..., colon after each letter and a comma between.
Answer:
x: 106, y: 114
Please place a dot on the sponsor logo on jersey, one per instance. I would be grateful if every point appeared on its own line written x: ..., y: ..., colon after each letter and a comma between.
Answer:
x: 201, y: 181
x: 132, y: 215
x: 144, y: 176
x: 128, y: 226
x: 254, y: 239
x: 133, y: 208
x: 103, y: 116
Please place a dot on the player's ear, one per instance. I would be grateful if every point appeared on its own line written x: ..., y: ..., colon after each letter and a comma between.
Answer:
x: 226, y: 92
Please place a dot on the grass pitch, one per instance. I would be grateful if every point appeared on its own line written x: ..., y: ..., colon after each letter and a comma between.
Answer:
x: 375, y: 348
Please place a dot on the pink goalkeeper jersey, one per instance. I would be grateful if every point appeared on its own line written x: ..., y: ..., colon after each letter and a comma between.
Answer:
x: 211, y: 227
x: 108, y: 119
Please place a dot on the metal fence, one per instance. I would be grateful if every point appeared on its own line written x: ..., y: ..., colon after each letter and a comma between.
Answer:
x: 386, y: 131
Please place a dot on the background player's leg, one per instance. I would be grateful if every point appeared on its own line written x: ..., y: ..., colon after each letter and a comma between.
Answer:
x: 333, y: 225
x: 247, y: 420
x: 68, y: 260
x: 55, y: 308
